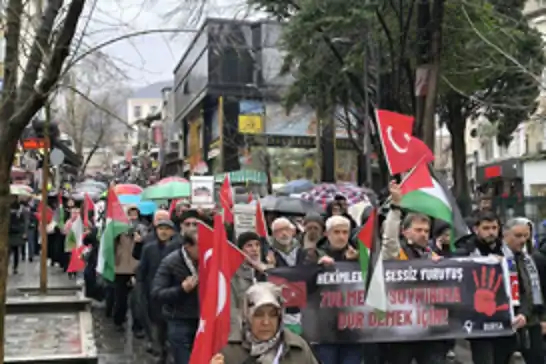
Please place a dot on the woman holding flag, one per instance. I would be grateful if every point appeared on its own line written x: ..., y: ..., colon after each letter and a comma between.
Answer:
x: 262, y: 337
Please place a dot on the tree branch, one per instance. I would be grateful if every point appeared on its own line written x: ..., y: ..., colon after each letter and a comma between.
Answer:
x: 53, y: 69
x: 11, y: 60
x: 38, y: 50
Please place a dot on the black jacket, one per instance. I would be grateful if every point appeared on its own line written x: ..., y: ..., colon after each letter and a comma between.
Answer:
x: 167, y: 289
x: 150, y: 259
x: 540, y: 261
x: 467, y: 246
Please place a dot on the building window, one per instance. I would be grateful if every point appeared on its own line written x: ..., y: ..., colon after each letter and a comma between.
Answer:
x: 137, y: 112
x: 153, y: 110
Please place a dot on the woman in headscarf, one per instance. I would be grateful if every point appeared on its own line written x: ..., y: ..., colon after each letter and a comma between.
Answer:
x: 262, y: 339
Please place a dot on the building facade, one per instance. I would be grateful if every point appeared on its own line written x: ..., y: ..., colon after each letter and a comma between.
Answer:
x: 144, y: 102
x: 227, y: 98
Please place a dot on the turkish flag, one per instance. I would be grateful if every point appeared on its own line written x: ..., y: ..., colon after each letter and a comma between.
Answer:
x: 88, y: 205
x: 219, y: 267
x: 77, y: 264
x: 205, y: 241
x: 261, y: 227
x: 226, y: 200
x: 402, y: 151
x: 49, y: 213
x: 250, y: 197
x: 294, y: 293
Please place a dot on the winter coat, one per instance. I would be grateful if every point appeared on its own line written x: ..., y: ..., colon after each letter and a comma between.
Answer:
x: 295, y: 350
x: 167, y: 288
x: 125, y: 263
x: 18, y: 225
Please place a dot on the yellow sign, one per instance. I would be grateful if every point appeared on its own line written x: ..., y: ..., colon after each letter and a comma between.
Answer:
x: 251, y: 124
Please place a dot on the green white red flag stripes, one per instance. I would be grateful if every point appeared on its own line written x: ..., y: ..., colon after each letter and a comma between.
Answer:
x: 116, y: 223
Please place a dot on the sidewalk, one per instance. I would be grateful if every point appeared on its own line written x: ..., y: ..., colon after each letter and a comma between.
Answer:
x: 52, y: 328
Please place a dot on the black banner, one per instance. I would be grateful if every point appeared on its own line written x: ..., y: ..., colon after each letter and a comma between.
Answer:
x: 426, y: 300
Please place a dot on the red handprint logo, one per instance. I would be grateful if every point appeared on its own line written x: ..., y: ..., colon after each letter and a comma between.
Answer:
x: 486, y: 292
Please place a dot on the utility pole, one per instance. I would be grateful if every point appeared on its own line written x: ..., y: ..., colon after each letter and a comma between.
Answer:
x: 43, y: 217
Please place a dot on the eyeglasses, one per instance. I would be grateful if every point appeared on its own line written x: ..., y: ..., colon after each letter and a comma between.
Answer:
x: 191, y: 223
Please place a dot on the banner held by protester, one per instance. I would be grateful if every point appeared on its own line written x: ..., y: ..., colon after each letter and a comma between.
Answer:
x: 449, y: 299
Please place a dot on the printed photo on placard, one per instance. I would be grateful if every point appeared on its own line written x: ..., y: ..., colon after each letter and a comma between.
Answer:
x: 202, y: 191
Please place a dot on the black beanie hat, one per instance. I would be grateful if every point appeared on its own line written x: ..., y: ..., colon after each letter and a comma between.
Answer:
x: 313, y: 217
x: 246, y: 237
x: 189, y: 214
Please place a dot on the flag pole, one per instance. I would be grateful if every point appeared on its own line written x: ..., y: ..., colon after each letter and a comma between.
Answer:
x: 404, y: 179
x: 43, y: 217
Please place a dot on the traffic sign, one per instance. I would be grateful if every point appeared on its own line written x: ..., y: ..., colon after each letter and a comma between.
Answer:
x: 34, y: 143
x: 56, y: 157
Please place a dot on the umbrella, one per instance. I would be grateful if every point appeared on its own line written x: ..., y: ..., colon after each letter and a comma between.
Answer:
x: 92, y: 182
x: 326, y: 192
x: 18, y: 191
x: 172, y: 179
x: 127, y: 189
x: 296, y: 186
x: 23, y: 187
x: 290, y: 205
x: 145, y: 207
x: 167, y: 191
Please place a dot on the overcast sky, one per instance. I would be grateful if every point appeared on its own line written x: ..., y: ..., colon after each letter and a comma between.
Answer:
x: 148, y: 58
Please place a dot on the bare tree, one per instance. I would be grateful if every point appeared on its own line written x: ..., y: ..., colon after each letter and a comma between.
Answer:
x: 88, y: 106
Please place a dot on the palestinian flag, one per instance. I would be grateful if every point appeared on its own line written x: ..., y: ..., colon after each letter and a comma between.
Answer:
x: 116, y: 223
x: 58, y: 216
x: 371, y: 264
x: 365, y: 239
x: 425, y: 194
x: 74, y: 242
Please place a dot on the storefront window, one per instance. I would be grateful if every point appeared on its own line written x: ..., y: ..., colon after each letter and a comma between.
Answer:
x: 288, y: 164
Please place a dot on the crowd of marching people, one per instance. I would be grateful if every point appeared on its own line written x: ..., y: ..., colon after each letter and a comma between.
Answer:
x: 157, y: 275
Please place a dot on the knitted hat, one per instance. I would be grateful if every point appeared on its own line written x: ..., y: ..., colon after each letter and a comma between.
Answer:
x: 167, y: 223
x: 313, y: 217
x: 189, y: 214
x: 246, y: 237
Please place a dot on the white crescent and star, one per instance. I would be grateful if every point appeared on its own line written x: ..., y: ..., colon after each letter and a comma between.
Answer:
x: 207, y: 256
x: 222, y: 287
x: 395, y: 145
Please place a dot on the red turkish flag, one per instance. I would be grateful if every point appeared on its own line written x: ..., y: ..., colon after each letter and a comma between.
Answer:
x: 226, y: 200
x: 205, y: 241
x: 88, y: 205
x: 294, y: 293
x: 250, y: 197
x: 402, y: 151
x: 49, y: 213
x: 219, y: 267
x: 261, y: 227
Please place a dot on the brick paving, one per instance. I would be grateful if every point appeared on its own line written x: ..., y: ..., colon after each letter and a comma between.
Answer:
x: 116, y: 347
x: 43, y: 334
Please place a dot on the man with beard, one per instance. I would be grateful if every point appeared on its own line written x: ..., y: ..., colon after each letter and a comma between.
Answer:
x: 313, y: 235
x: 285, y: 248
x: 151, y: 235
x: 485, y: 242
x: 175, y: 288
x: 337, y: 248
x: 414, y: 244
x: 152, y: 255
